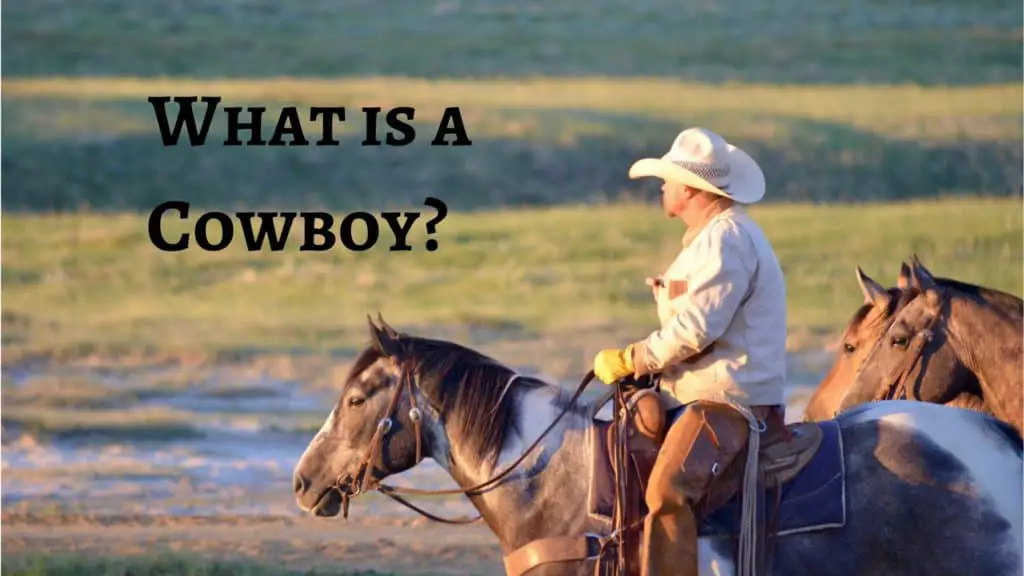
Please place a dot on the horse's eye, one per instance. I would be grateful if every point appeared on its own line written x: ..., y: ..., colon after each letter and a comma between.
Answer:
x: 849, y: 348
x: 899, y: 341
x: 356, y: 400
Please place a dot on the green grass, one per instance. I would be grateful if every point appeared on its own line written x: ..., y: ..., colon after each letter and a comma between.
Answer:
x: 848, y: 102
x: 63, y: 564
x: 787, y: 41
x: 90, y: 143
x: 564, y: 277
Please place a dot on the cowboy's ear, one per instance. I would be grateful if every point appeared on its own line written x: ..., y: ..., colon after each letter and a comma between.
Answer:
x: 380, y: 339
x: 874, y: 293
x: 905, y: 280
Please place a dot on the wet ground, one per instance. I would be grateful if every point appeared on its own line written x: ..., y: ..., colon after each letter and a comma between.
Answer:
x: 91, y: 457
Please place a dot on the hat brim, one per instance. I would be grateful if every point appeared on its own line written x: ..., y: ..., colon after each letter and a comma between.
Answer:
x: 746, y: 180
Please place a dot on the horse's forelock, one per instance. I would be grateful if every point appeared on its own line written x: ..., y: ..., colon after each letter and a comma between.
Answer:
x: 366, y: 358
x: 898, y: 299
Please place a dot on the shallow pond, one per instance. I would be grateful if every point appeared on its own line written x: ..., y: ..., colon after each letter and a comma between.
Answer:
x: 93, y: 443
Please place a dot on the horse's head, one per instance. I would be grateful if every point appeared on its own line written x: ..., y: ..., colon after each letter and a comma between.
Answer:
x: 370, y: 432
x: 914, y: 340
x: 861, y: 333
x: 407, y: 398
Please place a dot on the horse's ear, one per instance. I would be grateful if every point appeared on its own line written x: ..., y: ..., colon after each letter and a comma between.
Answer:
x: 380, y: 338
x: 387, y: 327
x: 874, y: 293
x: 922, y: 278
x: 905, y: 280
x: 925, y: 282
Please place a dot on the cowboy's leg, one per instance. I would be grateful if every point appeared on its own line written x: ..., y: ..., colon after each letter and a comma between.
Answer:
x: 703, y: 442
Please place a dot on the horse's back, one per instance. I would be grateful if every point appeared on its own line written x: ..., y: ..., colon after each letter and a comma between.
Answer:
x: 923, y: 489
x: 929, y: 490
x: 943, y: 484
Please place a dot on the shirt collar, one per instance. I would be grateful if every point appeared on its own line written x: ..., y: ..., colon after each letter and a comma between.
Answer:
x: 718, y: 206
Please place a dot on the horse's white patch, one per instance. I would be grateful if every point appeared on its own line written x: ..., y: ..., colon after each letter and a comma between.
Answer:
x: 433, y: 432
x: 710, y: 562
x: 996, y: 466
x: 328, y: 425
x: 537, y: 410
x: 318, y: 438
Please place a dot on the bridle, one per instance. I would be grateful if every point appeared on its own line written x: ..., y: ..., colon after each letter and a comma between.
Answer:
x: 349, y: 486
x: 894, y: 387
x: 596, y: 545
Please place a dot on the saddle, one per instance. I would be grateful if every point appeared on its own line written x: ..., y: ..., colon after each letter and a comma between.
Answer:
x: 784, y: 451
x: 619, y: 472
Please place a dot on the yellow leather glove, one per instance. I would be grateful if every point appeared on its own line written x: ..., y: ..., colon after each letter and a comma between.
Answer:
x: 613, y: 364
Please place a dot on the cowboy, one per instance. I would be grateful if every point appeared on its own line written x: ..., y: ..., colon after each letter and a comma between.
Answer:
x: 721, y: 348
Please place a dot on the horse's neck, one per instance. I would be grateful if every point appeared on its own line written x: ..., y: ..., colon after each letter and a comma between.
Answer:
x: 538, y: 499
x: 989, y: 344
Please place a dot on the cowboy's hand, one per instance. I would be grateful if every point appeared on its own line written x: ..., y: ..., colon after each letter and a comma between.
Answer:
x: 613, y: 364
x: 655, y: 283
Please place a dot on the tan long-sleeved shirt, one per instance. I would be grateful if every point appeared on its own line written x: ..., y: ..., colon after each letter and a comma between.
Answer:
x: 722, y: 308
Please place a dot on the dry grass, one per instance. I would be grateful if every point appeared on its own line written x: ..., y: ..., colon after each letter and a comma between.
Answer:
x: 95, y: 285
x: 871, y: 108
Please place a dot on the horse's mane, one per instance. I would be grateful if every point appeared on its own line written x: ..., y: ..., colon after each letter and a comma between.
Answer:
x: 1004, y: 302
x: 466, y: 386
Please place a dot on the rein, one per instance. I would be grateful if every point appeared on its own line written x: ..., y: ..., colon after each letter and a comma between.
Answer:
x: 349, y: 487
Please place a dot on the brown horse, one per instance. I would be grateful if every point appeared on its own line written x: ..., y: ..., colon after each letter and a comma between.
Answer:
x: 947, y: 342
x: 861, y: 333
x: 954, y: 384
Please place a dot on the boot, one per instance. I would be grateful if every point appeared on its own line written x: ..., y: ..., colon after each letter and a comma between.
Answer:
x: 670, y: 543
x: 701, y: 444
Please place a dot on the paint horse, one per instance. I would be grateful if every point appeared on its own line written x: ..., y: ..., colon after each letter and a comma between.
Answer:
x: 933, y: 340
x: 891, y: 487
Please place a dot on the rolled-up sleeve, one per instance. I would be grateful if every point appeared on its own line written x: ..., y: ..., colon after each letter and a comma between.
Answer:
x: 704, y: 311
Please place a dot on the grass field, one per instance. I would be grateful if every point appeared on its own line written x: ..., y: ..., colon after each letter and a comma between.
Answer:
x: 846, y: 102
x: 63, y: 545
x: 75, y: 143
x: 76, y: 285
x: 930, y: 42
x: 884, y: 130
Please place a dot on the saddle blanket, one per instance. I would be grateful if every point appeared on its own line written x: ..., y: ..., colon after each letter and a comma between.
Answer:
x: 814, y: 500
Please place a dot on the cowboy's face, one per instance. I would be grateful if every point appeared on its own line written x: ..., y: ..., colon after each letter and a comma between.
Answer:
x: 675, y: 198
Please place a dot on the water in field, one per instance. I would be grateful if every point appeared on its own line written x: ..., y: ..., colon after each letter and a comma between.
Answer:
x: 83, y: 441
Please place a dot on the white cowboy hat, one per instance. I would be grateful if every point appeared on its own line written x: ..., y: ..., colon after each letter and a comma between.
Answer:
x: 702, y: 159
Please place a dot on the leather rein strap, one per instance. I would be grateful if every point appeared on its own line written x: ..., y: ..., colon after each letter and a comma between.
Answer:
x: 349, y: 487
x: 590, y: 546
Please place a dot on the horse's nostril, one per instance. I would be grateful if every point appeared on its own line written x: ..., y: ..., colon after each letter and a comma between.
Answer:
x: 300, y: 484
